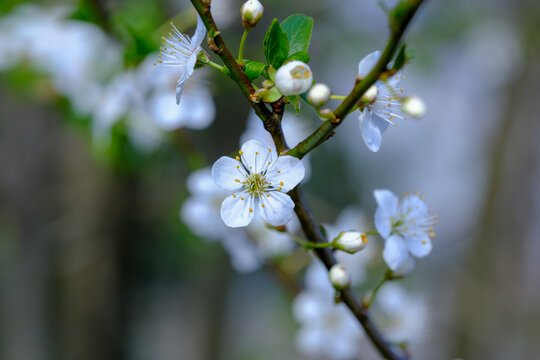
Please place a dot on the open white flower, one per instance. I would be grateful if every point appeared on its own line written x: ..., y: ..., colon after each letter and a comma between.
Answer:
x: 382, y: 104
x: 263, y: 178
x: 179, y: 50
x: 406, y: 225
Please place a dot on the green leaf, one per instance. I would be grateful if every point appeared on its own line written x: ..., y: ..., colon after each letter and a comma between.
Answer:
x: 298, y: 28
x: 253, y: 69
x: 300, y: 55
x: 271, y: 73
x: 276, y: 46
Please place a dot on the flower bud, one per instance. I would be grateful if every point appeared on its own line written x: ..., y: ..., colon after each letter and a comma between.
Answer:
x: 370, y: 95
x: 319, y: 94
x: 351, y: 241
x: 294, y: 78
x: 338, y: 276
x: 252, y: 11
x: 413, y: 106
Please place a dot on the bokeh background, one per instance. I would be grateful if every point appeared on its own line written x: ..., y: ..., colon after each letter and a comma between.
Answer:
x: 95, y: 262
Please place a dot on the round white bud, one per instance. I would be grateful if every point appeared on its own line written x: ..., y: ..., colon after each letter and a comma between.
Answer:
x: 370, y: 94
x: 252, y: 11
x: 338, y: 276
x: 351, y: 241
x: 319, y: 94
x: 413, y: 106
x: 294, y: 78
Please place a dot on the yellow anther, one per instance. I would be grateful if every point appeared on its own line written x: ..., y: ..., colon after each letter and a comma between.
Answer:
x: 279, y: 188
x: 241, y: 152
x: 269, y: 150
x: 233, y: 195
x: 279, y: 172
x: 424, y: 242
x: 241, y: 198
x: 281, y: 183
x: 262, y: 205
x: 267, y: 195
x: 364, y: 238
x: 417, y: 192
x: 269, y: 163
x: 432, y: 235
x: 237, y: 180
x: 237, y: 158
x: 256, y: 153
x: 250, y: 210
x: 238, y: 166
x: 280, y: 153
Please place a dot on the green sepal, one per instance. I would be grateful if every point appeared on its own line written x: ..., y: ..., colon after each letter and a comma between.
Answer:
x: 271, y: 95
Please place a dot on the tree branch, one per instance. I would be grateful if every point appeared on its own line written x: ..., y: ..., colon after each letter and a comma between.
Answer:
x: 400, y: 17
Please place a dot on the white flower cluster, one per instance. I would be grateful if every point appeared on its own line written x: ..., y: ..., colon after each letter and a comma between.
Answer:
x: 91, y: 75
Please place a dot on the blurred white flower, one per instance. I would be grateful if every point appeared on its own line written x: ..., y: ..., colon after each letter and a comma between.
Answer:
x: 381, y: 104
x: 264, y: 179
x: 295, y: 129
x: 319, y: 94
x: 401, y: 316
x: 406, y: 226
x: 294, y: 78
x: 181, y: 51
x: 327, y: 330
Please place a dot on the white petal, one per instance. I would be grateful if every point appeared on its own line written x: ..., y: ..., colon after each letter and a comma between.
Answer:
x: 395, y: 252
x: 277, y: 209
x: 367, y: 63
x: 419, y: 245
x: 387, y: 201
x: 179, y: 88
x: 257, y: 155
x: 197, y: 108
x: 226, y: 174
x: 166, y: 114
x: 238, y: 210
x: 200, y: 32
x: 291, y: 172
x: 370, y: 131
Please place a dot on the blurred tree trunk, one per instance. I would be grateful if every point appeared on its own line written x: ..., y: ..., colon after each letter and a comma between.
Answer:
x: 497, y: 299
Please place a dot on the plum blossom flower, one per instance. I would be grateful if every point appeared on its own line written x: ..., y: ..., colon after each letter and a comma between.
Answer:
x: 327, y: 330
x: 179, y: 50
x: 263, y: 179
x: 406, y: 226
x: 382, y: 104
x: 248, y: 247
x: 294, y: 78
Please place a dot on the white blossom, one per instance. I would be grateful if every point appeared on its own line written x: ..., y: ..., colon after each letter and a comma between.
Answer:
x: 400, y: 315
x: 351, y: 241
x: 406, y: 226
x: 414, y: 106
x: 262, y: 179
x: 327, y: 330
x: 381, y: 104
x: 294, y: 78
x: 248, y: 247
x: 181, y: 51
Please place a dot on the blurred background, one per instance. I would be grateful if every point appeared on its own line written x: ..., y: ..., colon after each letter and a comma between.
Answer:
x: 98, y: 261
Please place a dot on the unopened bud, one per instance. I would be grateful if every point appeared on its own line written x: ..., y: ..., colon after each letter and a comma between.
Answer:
x: 319, y: 94
x: 351, y: 241
x: 252, y: 11
x: 338, y: 276
x: 370, y: 95
x: 294, y: 78
x: 413, y: 106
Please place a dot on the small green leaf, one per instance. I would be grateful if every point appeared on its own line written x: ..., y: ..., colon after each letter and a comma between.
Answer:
x: 300, y: 55
x: 276, y: 45
x: 253, y: 69
x: 271, y: 73
x: 298, y: 28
